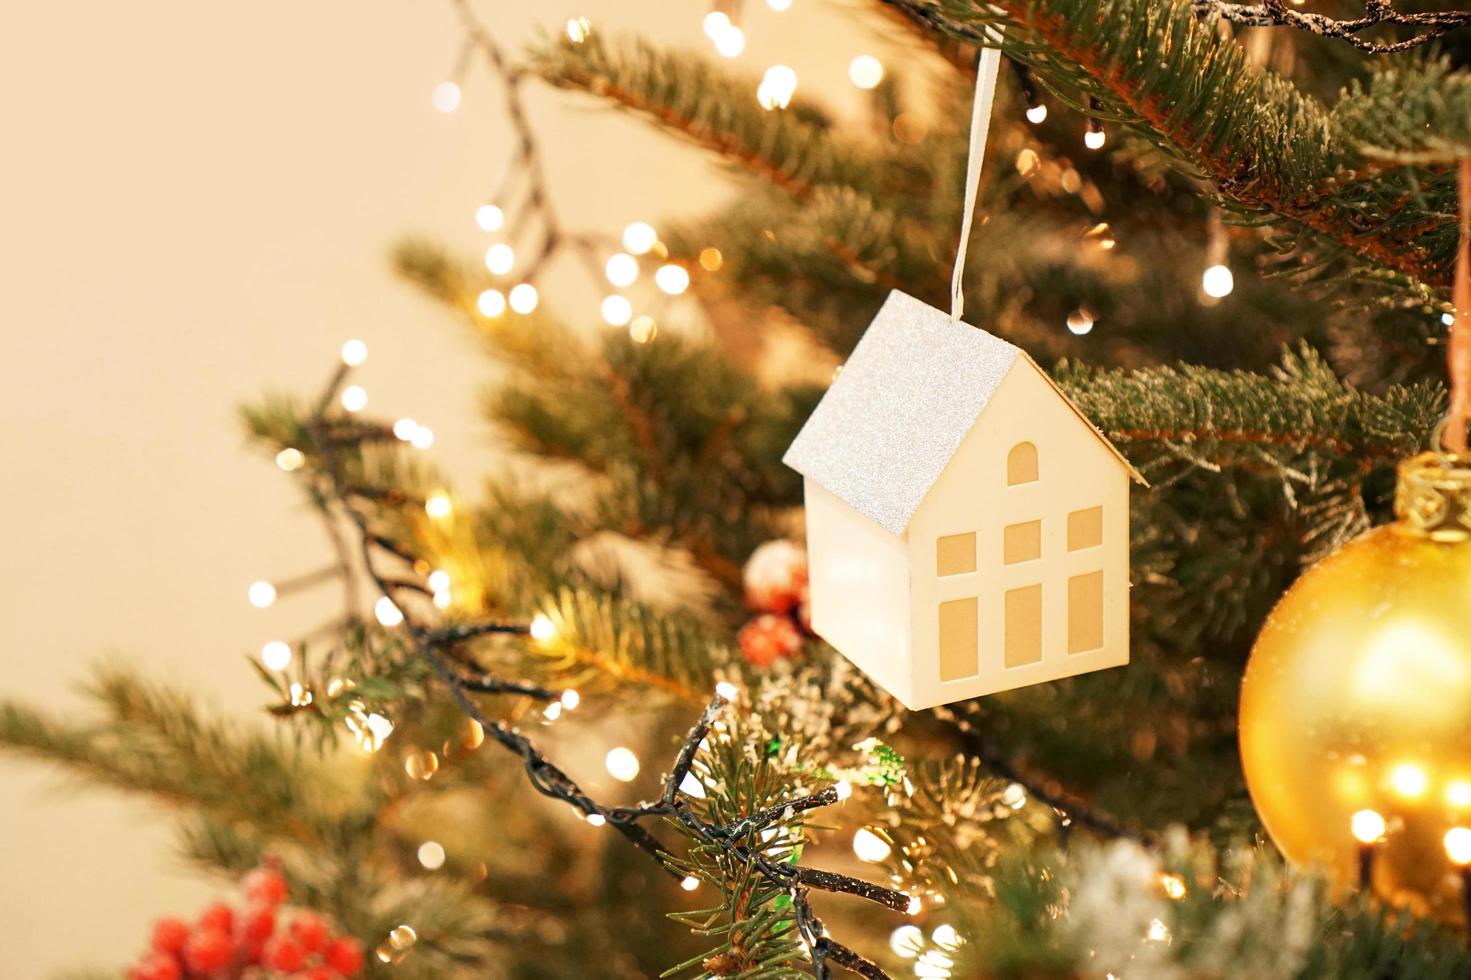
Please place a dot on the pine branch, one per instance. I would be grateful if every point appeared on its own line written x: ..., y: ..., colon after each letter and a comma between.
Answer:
x: 1378, y: 13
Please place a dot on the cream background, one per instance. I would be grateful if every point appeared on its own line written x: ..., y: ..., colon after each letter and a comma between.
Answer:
x: 197, y: 200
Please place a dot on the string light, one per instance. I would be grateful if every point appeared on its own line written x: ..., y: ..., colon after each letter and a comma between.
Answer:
x: 403, y: 429
x: 1367, y: 826
x: 843, y: 788
x: 578, y: 29
x: 907, y: 941
x: 1172, y: 885
x: 354, y: 398
x: 491, y: 303
x: 354, y: 353
x: 1217, y: 282
x: 727, y: 690
x: 621, y: 764
x: 777, y: 87
x: 1458, y: 845
x: 1458, y: 793
x: 446, y: 97
x: 1014, y: 796
x: 946, y: 936
x: 276, y: 655
x: 716, y: 23
x: 431, y: 855
x: 711, y: 259
x: 1094, y: 139
x: 438, y: 506
x: 543, y: 630
x: 1080, y: 321
x: 673, y: 279
x: 865, y: 71
x: 423, y: 437
x: 731, y: 42
x: 617, y: 310
x: 691, y: 786
x: 489, y: 217
x: 386, y: 612
x: 869, y: 846
x: 290, y: 459
x: 639, y: 237
x: 1409, y: 780
x: 596, y: 819
x: 1037, y: 114
x: 779, y: 5
x: 643, y: 329
x: 915, y: 906
x: 621, y: 269
x: 261, y: 594
x: 690, y: 883
x: 499, y: 258
x: 523, y: 298
x: 438, y: 580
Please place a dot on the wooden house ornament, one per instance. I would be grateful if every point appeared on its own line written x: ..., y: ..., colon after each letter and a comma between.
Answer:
x: 967, y: 526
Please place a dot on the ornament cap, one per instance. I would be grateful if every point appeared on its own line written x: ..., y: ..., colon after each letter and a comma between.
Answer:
x: 1433, y: 495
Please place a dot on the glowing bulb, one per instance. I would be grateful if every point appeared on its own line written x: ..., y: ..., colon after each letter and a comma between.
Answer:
x: 1367, y: 826
x: 261, y: 594
x: 354, y: 352
x: 690, y: 883
x: 622, y: 268
x: 443, y: 598
x: 639, y: 237
x: 643, y: 329
x: 489, y: 217
x: 1014, y: 796
x: 523, y: 298
x: 946, y: 936
x: 491, y: 303
x: 907, y: 941
x: 914, y: 906
x: 570, y: 698
x: 779, y: 5
x: 446, y: 97
x: 578, y: 29
x: 691, y: 786
x: 404, y: 429
x: 354, y: 398
x: 731, y: 42
x: 727, y: 690
x: 715, y: 24
x: 621, y: 764
x: 552, y: 711
x: 499, y: 258
x: 1094, y: 139
x: 711, y: 259
x: 542, y: 629
x: 386, y: 612
x: 777, y: 87
x: 1172, y: 885
x: 276, y: 655
x: 617, y: 310
x: 596, y: 819
x: 439, y: 580
x: 865, y: 71
x: 290, y: 459
x: 379, y: 728
x: 431, y: 855
x: 673, y: 279
x: 1037, y: 114
x: 1080, y: 321
x: 1409, y: 780
x: 422, y: 438
x: 843, y: 788
x: 870, y: 847
x: 1458, y: 793
x: 438, y: 506
x: 1458, y: 845
x: 1217, y: 281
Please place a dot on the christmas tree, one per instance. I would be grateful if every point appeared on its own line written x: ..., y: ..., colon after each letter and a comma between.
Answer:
x: 1230, y: 235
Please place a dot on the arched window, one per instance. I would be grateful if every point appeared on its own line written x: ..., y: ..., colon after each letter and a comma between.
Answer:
x: 1021, y: 464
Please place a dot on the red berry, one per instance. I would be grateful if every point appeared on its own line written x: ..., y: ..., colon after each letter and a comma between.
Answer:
x: 163, y: 967
x: 309, y: 931
x: 775, y: 576
x: 767, y: 638
x: 283, y: 955
x: 208, y: 950
x: 319, y: 973
x: 266, y: 886
x: 218, y: 916
x: 170, y: 935
x: 257, y: 924
x: 345, y: 955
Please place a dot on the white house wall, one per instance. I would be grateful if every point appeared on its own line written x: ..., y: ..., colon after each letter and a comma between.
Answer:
x: 1076, y: 471
x: 860, y: 589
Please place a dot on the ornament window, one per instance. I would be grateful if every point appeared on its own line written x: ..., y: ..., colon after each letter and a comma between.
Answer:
x: 959, y: 639
x: 1021, y: 464
x: 1085, y: 612
x: 1085, y: 529
x: 1021, y: 542
x: 955, y: 554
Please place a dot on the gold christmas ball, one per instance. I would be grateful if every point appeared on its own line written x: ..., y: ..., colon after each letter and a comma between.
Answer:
x: 1356, y: 704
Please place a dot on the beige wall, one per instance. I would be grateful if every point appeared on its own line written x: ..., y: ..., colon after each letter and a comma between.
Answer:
x: 195, y: 203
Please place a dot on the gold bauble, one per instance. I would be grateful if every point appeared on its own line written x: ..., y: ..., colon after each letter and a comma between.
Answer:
x: 1358, y: 697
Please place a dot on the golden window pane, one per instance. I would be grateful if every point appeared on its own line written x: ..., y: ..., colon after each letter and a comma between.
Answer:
x: 959, y: 646
x: 1021, y: 542
x: 1085, y: 612
x: 1023, y: 625
x: 1085, y: 529
x: 1021, y: 464
x: 955, y: 554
